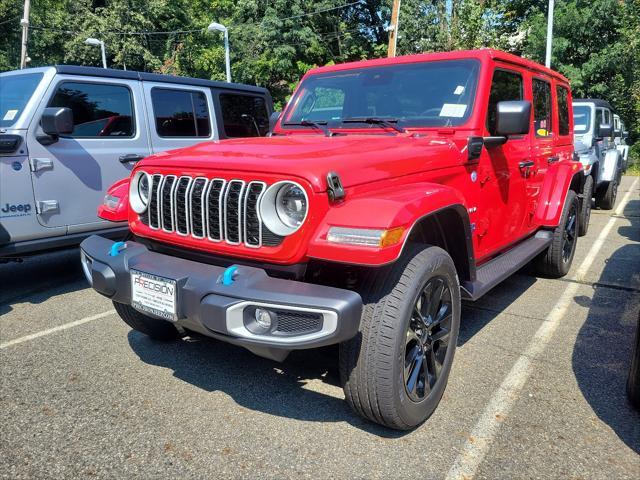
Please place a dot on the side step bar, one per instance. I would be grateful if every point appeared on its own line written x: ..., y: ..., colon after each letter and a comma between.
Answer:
x: 505, y: 265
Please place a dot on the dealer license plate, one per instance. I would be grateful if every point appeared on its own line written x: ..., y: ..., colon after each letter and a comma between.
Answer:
x: 153, y: 294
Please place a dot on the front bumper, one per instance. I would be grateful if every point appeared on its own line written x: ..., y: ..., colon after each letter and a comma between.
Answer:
x: 207, y: 304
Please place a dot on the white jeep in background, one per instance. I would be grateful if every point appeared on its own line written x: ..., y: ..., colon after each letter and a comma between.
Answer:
x: 594, y: 143
x: 621, y: 135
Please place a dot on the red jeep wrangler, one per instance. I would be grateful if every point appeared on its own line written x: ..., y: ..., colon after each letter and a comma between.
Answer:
x: 389, y: 191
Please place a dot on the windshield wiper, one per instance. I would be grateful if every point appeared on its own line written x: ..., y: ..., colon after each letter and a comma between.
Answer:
x: 308, y: 123
x: 385, y: 122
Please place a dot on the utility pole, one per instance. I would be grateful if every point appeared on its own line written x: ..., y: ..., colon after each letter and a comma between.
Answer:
x: 393, y: 29
x: 547, y: 61
x: 25, y: 33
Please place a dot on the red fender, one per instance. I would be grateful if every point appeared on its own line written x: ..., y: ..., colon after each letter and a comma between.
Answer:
x: 388, y: 208
x: 554, y: 192
x: 120, y: 213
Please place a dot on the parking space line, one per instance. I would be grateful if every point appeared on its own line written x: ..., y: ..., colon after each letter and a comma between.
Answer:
x: 504, y: 398
x: 59, y: 328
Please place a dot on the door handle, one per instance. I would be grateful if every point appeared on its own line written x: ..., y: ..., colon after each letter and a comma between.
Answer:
x: 526, y: 164
x: 553, y: 159
x: 130, y: 157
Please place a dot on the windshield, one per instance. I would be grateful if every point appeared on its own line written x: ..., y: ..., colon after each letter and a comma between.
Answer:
x: 581, y: 118
x: 15, y: 92
x: 429, y: 94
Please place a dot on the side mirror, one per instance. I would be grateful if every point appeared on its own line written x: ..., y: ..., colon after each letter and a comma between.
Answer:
x: 513, y: 118
x: 57, y: 121
x: 605, y: 130
x: 273, y: 119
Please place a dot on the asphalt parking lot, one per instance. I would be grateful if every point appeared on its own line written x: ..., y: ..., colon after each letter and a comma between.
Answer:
x: 536, y: 391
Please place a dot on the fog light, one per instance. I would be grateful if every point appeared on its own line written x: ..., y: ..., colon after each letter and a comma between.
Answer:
x: 263, y: 318
x: 259, y: 321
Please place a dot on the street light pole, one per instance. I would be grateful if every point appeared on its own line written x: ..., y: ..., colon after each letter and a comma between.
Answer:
x: 218, y: 27
x: 96, y: 42
x: 547, y: 61
x: 25, y: 34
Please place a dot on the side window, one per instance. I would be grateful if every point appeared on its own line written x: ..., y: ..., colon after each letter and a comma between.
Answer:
x: 607, y: 117
x: 180, y: 113
x: 542, y: 108
x: 506, y: 85
x: 99, y: 110
x: 244, y: 115
x: 563, y: 110
x: 598, y: 119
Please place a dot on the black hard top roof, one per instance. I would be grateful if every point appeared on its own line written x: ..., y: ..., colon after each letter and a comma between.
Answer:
x: 596, y: 101
x: 156, y: 77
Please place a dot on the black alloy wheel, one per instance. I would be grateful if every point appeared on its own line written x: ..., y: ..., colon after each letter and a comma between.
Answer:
x: 427, y: 339
x: 570, y: 234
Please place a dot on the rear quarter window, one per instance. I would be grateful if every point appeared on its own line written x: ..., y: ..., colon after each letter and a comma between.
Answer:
x: 244, y: 115
x: 563, y: 110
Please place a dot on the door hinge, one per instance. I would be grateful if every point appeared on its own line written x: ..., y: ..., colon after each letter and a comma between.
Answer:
x: 47, y: 206
x: 37, y: 164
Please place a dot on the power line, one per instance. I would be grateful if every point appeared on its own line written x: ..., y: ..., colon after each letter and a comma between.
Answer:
x: 11, y: 20
x: 200, y: 30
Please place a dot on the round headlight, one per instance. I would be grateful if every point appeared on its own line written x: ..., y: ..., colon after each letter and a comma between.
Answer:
x: 143, y: 189
x: 284, y: 207
x: 139, y: 188
x: 291, y: 205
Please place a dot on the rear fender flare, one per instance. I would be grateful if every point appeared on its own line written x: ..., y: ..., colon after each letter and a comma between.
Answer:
x: 559, y: 179
x: 610, y: 166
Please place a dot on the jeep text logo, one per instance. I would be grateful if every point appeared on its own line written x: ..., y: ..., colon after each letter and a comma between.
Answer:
x: 153, y: 286
x: 8, y: 208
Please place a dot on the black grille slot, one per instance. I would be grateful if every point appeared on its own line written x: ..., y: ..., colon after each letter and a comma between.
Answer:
x: 197, y: 212
x: 213, y: 208
x: 296, y: 323
x: 253, y: 234
x: 270, y: 239
x: 181, y: 207
x: 154, y: 204
x: 233, y: 213
x: 167, y: 197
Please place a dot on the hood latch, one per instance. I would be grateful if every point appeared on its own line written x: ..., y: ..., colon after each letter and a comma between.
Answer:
x: 334, y: 187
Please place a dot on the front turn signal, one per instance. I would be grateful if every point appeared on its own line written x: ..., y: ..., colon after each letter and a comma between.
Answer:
x: 365, y: 237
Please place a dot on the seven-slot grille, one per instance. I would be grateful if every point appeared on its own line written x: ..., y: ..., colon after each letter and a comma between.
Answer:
x: 216, y: 209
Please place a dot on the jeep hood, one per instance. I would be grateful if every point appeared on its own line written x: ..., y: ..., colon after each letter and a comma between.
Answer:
x: 358, y: 159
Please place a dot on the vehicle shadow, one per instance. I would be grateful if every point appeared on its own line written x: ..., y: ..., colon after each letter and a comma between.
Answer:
x: 257, y: 383
x: 40, y: 277
x: 280, y: 388
x: 602, y: 352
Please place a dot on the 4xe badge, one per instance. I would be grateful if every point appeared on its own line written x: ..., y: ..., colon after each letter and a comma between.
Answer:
x: 13, y: 210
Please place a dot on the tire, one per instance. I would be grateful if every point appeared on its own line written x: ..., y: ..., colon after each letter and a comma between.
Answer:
x: 154, y: 328
x: 633, y: 382
x: 381, y: 367
x: 606, y: 198
x: 585, y: 206
x: 555, y: 262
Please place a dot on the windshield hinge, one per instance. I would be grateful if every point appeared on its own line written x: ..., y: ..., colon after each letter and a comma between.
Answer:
x: 334, y: 187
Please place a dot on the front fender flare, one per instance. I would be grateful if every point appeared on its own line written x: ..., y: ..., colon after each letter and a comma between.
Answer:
x: 392, y: 207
